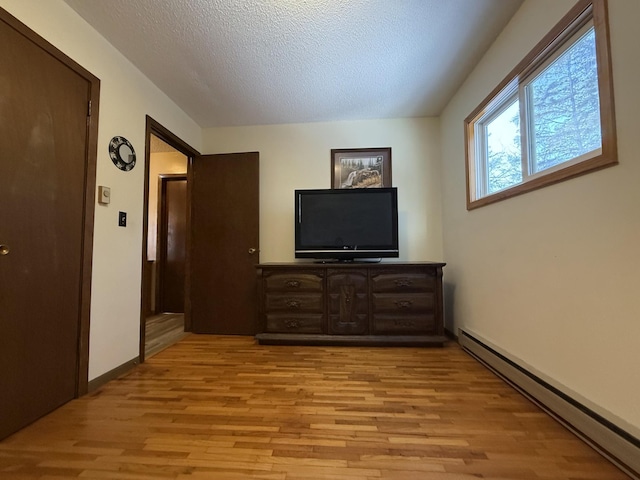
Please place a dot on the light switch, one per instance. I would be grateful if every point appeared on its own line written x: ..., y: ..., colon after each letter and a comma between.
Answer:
x: 104, y: 195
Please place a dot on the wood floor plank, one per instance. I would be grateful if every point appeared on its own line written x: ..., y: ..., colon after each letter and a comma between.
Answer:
x: 213, y: 407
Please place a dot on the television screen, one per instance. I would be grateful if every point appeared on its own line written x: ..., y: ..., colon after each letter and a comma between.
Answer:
x: 346, y: 224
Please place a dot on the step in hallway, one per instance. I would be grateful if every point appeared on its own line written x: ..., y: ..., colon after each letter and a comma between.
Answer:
x: 162, y: 331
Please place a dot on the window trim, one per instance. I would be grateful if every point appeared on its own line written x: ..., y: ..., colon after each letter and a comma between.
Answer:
x: 583, y: 12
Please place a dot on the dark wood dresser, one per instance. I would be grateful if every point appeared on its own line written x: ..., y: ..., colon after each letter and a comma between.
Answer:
x: 350, y: 304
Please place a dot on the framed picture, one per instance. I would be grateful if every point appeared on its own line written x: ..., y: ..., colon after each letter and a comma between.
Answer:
x: 361, y: 168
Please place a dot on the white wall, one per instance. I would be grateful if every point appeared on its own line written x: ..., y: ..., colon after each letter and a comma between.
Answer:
x: 551, y: 277
x: 298, y: 156
x: 126, y: 96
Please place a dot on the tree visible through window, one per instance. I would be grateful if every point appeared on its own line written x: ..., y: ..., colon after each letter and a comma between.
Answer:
x: 565, y: 106
x: 547, y: 120
x: 504, y: 155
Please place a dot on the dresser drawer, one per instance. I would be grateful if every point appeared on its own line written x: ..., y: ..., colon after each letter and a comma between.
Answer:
x: 404, y: 324
x: 293, y: 302
x: 403, y: 282
x: 294, y: 323
x: 294, y: 282
x: 403, y: 304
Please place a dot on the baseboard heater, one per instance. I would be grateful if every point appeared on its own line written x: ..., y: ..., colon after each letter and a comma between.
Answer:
x: 617, y: 445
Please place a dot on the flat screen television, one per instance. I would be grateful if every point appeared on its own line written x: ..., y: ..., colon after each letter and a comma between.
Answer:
x: 346, y: 224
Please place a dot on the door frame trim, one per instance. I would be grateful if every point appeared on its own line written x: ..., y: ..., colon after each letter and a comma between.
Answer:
x: 153, y: 127
x: 91, y: 158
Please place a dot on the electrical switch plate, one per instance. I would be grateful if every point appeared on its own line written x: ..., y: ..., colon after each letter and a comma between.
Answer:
x: 104, y: 195
x: 122, y: 219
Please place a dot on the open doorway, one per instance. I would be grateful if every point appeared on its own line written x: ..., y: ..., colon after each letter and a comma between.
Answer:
x: 166, y: 246
x: 222, y: 252
x: 163, y: 317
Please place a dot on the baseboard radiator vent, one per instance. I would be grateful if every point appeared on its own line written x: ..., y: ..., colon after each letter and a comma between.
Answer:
x: 614, y: 443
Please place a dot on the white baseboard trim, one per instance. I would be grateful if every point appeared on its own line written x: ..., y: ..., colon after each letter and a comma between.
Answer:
x: 614, y: 443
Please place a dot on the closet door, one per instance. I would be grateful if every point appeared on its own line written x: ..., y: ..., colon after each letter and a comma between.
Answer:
x: 45, y: 189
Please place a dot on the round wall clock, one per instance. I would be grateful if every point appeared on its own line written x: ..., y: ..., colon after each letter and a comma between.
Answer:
x: 122, y: 153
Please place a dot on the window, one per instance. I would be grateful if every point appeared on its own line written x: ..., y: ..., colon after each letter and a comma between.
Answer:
x: 551, y: 119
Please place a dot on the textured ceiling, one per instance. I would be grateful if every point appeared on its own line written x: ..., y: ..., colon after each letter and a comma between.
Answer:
x: 251, y: 62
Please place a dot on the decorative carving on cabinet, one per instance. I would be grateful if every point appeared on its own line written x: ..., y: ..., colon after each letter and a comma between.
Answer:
x: 293, y: 323
x: 404, y: 304
x: 293, y: 304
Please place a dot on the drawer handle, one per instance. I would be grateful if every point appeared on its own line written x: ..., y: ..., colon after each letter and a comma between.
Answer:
x: 292, y: 324
x: 292, y: 284
x: 404, y: 323
x: 403, y: 283
x: 293, y: 304
x: 404, y: 304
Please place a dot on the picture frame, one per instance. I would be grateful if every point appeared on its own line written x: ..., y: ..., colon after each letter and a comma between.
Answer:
x: 361, y: 168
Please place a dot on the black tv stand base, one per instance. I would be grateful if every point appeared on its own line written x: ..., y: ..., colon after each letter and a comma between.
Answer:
x: 333, y: 261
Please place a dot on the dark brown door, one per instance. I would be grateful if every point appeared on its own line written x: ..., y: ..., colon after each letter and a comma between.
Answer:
x: 43, y: 168
x: 224, y: 243
x: 172, y: 239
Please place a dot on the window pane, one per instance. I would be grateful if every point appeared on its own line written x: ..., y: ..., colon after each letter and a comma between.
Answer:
x: 504, y: 163
x: 565, y: 107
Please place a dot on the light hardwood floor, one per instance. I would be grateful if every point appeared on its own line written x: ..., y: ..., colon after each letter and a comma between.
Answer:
x: 214, y: 407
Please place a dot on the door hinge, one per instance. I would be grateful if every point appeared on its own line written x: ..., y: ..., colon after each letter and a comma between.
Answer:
x: 89, y: 108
